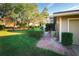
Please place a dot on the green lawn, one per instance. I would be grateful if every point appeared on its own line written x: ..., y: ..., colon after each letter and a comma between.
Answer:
x: 22, y: 44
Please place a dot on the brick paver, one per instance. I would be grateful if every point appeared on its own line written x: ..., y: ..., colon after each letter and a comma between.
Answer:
x: 46, y: 42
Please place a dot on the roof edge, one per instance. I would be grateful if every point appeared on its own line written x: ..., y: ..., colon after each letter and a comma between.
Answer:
x: 63, y: 13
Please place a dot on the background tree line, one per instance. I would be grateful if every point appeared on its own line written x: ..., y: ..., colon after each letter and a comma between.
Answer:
x: 22, y: 13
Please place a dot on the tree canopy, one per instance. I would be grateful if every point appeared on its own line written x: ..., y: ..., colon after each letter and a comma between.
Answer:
x: 23, y: 12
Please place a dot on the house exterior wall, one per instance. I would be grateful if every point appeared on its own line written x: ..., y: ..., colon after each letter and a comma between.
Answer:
x: 57, y: 24
x: 63, y: 25
x: 74, y: 28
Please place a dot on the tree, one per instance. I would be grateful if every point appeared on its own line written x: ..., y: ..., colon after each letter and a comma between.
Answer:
x: 6, y: 9
x: 43, y: 15
x: 44, y: 12
x: 11, y: 10
x: 30, y: 11
x: 24, y: 12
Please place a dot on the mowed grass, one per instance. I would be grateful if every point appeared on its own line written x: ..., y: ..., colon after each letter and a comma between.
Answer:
x: 23, y: 44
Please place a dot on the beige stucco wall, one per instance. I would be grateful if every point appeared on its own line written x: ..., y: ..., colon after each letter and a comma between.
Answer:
x: 64, y: 22
x: 57, y: 24
x: 64, y: 25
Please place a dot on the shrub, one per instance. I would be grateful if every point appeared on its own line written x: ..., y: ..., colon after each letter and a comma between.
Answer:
x: 50, y: 27
x: 2, y: 27
x: 67, y: 38
x: 35, y: 34
x: 36, y: 29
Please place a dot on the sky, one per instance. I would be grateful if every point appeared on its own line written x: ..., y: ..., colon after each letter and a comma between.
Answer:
x: 57, y: 7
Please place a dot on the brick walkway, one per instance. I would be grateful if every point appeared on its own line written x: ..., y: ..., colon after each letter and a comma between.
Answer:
x: 46, y: 42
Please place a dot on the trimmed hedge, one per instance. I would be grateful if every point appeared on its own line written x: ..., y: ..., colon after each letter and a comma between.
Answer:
x: 67, y: 38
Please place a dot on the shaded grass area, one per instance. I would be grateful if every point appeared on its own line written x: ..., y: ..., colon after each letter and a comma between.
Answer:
x: 24, y: 44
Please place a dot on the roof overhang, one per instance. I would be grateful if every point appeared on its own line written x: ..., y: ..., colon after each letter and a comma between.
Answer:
x: 65, y: 13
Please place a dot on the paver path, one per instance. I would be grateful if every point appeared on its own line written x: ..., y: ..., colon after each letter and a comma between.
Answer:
x: 47, y: 42
x: 74, y: 49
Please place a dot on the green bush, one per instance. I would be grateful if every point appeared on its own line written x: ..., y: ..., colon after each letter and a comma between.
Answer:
x: 67, y: 38
x: 50, y: 27
x: 2, y: 27
x: 35, y: 34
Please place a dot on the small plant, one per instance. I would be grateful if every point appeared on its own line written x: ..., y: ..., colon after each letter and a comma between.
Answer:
x: 67, y: 38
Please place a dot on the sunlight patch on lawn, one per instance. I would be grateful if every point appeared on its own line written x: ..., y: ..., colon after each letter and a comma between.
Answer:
x: 6, y: 33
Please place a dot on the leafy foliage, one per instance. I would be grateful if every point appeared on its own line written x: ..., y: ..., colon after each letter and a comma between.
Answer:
x: 67, y: 38
x: 5, y: 8
x: 50, y: 27
x: 23, y: 13
x: 43, y: 15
